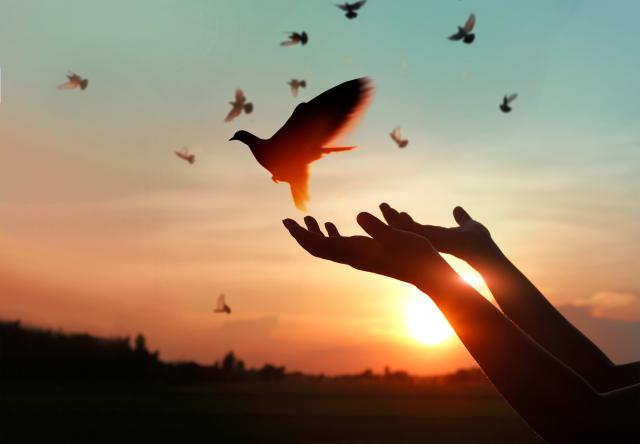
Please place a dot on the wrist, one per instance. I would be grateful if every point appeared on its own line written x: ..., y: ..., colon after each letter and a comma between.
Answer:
x: 487, y: 257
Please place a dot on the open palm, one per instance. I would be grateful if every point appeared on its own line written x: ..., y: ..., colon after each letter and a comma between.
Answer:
x: 470, y: 240
x: 389, y: 251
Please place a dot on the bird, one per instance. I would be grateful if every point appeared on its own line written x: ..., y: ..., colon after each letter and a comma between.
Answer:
x: 221, y: 305
x: 504, y: 106
x: 184, y: 154
x: 296, y: 37
x: 240, y: 104
x: 295, y: 85
x: 74, y: 81
x: 464, y: 33
x: 397, y: 138
x: 351, y: 8
x: 309, y: 134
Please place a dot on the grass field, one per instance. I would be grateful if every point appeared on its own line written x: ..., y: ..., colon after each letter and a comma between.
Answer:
x: 279, y: 413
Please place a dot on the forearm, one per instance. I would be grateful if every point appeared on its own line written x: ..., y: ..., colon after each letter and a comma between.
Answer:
x: 523, y: 303
x: 627, y: 374
x: 538, y: 386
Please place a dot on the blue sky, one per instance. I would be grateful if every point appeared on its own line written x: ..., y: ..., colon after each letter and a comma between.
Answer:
x: 90, y: 184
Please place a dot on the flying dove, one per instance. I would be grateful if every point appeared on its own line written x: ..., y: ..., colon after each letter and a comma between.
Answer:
x: 309, y: 134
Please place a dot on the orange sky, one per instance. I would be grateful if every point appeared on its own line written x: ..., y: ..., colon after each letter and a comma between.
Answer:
x: 104, y: 230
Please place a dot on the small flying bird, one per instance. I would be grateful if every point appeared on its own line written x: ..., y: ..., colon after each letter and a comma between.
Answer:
x: 221, y: 305
x: 295, y: 38
x: 239, y: 105
x: 464, y: 33
x: 309, y: 134
x: 75, y: 81
x: 184, y: 154
x: 351, y: 8
x: 397, y: 138
x: 295, y: 85
x: 506, y: 101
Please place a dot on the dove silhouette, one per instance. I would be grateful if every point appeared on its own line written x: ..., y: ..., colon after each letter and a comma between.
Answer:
x: 397, y: 138
x: 74, y: 81
x: 309, y: 134
x: 506, y: 101
x: 295, y: 85
x: 464, y: 33
x: 295, y: 38
x: 240, y: 104
x: 184, y: 154
x: 351, y: 8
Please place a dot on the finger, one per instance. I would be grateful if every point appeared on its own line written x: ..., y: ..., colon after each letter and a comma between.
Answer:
x: 461, y: 216
x: 312, y: 225
x: 332, y: 229
x: 375, y: 227
x: 392, y: 216
x: 306, y: 239
x: 294, y: 228
x: 405, y: 218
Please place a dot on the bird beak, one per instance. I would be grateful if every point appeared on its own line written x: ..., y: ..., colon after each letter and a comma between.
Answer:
x: 233, y: 138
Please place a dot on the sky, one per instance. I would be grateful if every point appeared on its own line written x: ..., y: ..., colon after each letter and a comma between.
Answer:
x: 103, y: 229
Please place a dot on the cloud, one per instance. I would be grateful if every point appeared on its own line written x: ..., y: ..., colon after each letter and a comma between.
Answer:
x: 616, y: 305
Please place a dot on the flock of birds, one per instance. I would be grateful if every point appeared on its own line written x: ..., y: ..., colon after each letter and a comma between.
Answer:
x: 313, y: 129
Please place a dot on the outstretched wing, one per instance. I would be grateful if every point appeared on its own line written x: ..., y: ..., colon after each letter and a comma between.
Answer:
x: 300, y: 189
x: 325, y: 118
x: 344, y: 7
x: 235, y: 112
x: 471, y: 22
x: 357, y: 5
x: 511, y: 98
x: 68, y: 85
x: 221, y: 303
x: 240, y: 95
x: 395, y: 134
x: 458, y: 35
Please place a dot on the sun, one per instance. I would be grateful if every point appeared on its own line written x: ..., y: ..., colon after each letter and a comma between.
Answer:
x: 425, y: 323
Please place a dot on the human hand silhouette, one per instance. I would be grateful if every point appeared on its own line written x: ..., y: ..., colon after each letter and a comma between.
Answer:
x: 469, y: 241
x: 389, y: 251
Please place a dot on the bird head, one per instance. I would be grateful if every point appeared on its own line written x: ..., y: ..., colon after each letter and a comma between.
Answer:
x: 243, y: 136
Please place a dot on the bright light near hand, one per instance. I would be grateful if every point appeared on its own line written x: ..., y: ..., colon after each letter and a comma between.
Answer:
x: 425, y: 322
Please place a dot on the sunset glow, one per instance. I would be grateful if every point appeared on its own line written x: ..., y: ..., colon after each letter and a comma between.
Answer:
x: 425, y: 323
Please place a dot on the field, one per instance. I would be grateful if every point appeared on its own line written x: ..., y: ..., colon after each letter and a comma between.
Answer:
x: 289, y: 412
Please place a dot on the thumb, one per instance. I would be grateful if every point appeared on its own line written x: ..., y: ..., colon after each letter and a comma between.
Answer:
x: 374, y: 227
x: 461, y: 216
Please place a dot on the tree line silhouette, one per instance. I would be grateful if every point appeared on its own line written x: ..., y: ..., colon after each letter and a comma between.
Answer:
x: 35, y: 355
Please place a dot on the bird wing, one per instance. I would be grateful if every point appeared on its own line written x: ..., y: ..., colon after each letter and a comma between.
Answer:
x: 294, y: 89
x: 471, y: 21
x: 325, y: 118
x: 357, y: 5
x: 68, y: 85
x: 288, y: 43
x: 240, y: 95
x: 395, y: 134
x: 344, y: 7
x: 458, y: 35
x: 235, y: 112
x: 511, y: 98
x: 220, y: 304
x: 300, y: 188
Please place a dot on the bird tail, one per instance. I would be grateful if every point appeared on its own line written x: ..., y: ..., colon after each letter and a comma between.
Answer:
x: 300, y: 195
x: 336, y: 149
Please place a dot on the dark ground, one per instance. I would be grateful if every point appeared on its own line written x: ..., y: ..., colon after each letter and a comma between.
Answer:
x: 314, y: 412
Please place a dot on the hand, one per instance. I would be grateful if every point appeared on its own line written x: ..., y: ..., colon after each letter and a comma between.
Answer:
x: 389, y: 251
x: 470, y: 240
